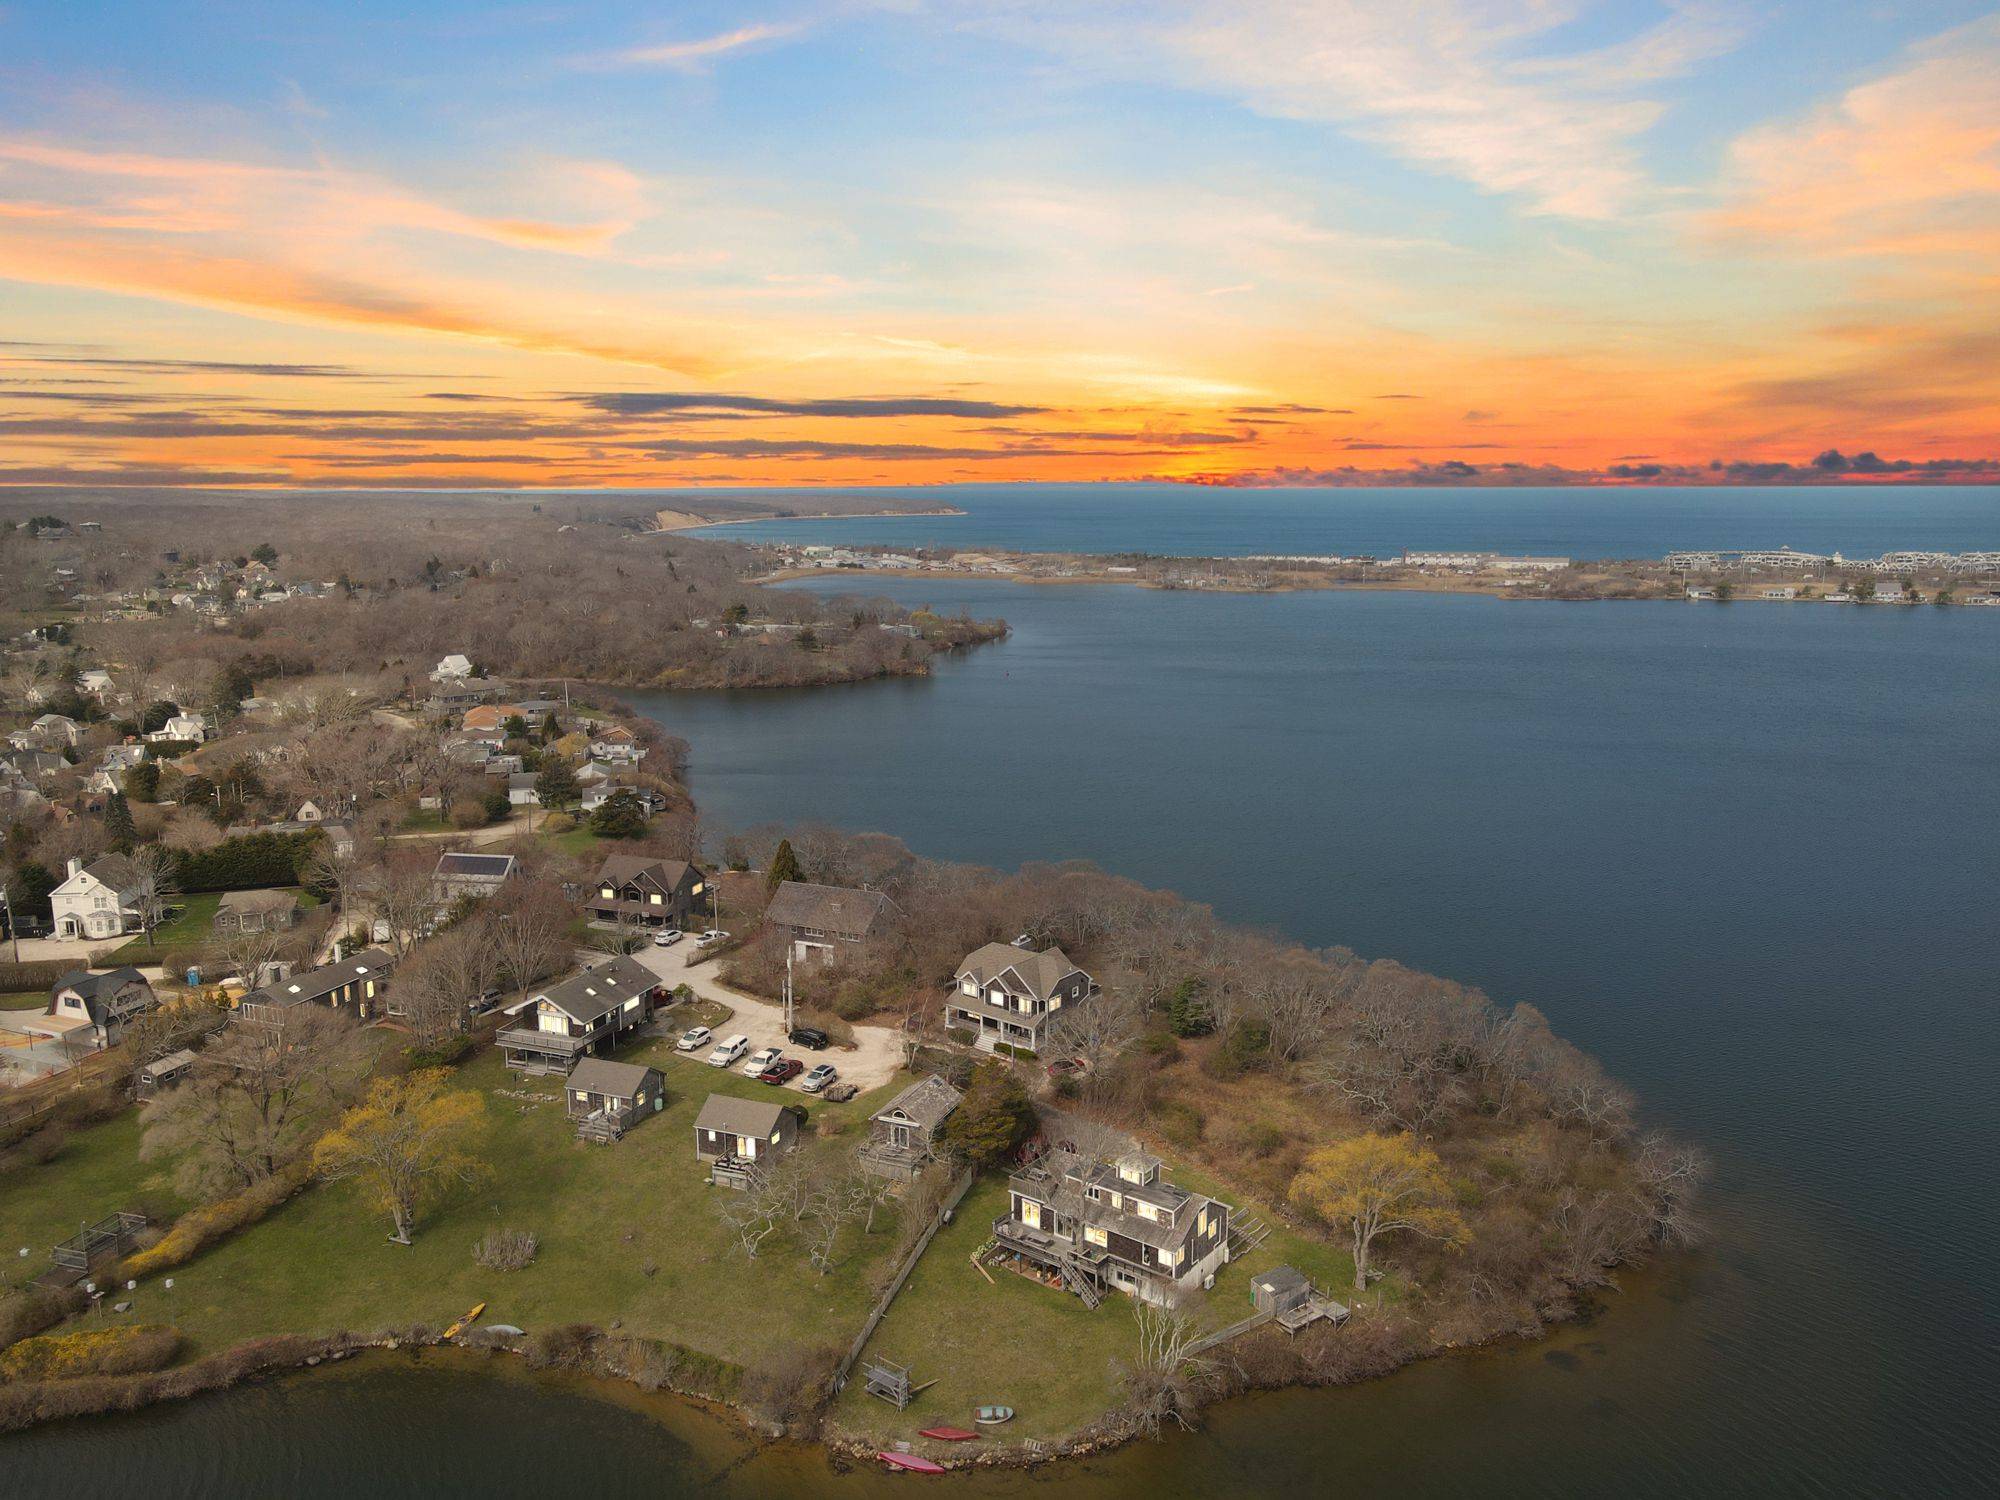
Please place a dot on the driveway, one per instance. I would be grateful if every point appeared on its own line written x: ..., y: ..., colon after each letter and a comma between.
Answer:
x: 52, y: 949
x: 874, y: 1059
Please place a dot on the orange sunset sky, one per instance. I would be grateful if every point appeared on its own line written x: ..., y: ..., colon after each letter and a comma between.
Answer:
x: 858, y: 243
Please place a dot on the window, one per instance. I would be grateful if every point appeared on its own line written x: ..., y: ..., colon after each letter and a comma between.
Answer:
x: 654, y: 898
x: 1031, y: 1213
x: 1095, y: 1236
x: 695, y: 889
x: 609, y: 893
x: 632, y: 1004
x: 581, y: 1096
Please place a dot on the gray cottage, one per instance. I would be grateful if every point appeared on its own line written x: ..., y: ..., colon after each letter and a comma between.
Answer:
x: 821, y: 919
x: 358, y: 985
x: 903, y: 1133
x: 733, y: 1135
x: 587, y: 1014
x: 1002, y: 993
x: 606, y: 1098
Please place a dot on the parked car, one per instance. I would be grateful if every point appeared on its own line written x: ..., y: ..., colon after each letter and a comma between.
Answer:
x: 694, y: 1039
x: 728, y: 1050
x: 667, y: 939
x: 1066, y: 1067
x: 784, y: 1070
x: 819, y: 1078
x: 810, y: 1037
x: 710, y: 938
x: 761, y: 1059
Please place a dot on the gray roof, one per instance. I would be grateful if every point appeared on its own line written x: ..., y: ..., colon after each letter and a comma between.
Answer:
x: 464, y: 866
x: 1061, y: 1178
x: 94, y: 989
x: 317, y: 984
x: 1035, y: 974
x: 622, y: 869
x: 115, y: 870
x: 827, y: 908
x: 733, y: 1116
x: 266, y: 901
x: 173, y: 1062
x: 599, y: 991
x: 1281, y: 1278
x: 599, y: 1075
x: 927, y: 1102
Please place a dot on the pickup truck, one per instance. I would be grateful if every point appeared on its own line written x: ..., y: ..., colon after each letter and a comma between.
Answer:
x: 761, y: 1059
x: 728, y: 1050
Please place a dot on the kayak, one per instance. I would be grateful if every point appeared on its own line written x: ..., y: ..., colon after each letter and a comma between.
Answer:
x: 465, y: 1322
x: 992, y: 1416
x: 948, y: 1434
x: 911, y: 1462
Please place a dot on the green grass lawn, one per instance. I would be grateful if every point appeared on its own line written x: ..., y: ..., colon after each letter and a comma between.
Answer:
x: 24, y: 999
x: 425, y: 820
x: 97, y: 1173
x: 577, y: 842
x: 193, y: 924
x: 628, y: 1232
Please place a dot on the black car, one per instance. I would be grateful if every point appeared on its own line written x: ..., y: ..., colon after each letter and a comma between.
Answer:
x: 811, y: 1037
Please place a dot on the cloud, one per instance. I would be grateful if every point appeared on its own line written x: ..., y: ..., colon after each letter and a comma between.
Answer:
x: 1829, y: 467
x: 1455, y: 85
x: 645, y: 403
x: 695, y: 55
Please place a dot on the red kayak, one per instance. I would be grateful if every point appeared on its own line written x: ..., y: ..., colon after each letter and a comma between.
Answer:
x: 911, y: 1462
x: 949, y: 1434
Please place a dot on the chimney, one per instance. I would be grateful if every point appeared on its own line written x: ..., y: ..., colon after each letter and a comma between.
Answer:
x: 75, y: 867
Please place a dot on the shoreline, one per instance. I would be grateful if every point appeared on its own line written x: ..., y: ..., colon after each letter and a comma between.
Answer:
x: 689, y: 521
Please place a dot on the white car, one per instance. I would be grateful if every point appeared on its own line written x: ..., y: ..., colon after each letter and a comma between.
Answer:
x: 761, y: 1059
x: 694, y: 1039
x: 710, y: 938
x: 819, y: 1078
x: 728, y: 1050
x: 667, y: 939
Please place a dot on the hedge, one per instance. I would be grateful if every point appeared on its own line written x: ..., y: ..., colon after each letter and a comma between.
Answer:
x: 247, y: 863
x: 40, y: 975
x: 1026, y: 1054
x: 196, y: 1230
x: 131, y: 1350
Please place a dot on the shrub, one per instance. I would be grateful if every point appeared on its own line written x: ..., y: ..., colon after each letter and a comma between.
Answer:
x: 1179, y: 1121
x: 1007, y: 1049
x: 558, y: 822
x: 108, y: 1351
x: 962, y: 1035
x: 27, y: 1313
x: 791, y: 1385
x: 17, y: 978
x: 468, y: 812
x: 506, y: 1249
x: 246, y: 863
x: 567, y: 1346
x: 498, y: 804
x: 198, y: 1229
x: 439, y: 1054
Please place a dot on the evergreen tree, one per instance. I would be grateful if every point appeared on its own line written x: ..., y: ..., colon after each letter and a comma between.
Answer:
x: 118, y: 826
x: 556, y: 785
x: 784, y: 866
x: 622, y: 816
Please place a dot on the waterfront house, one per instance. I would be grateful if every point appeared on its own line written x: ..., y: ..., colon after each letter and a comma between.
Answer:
x: 256, y: 911
x: 1113, y: 1225
x: 606, y: 1098
x: 99, y: 899
x: 733, y: 1135
x: 820, y: 919
x: 97, y: 1005
x: 357, y: 985
x: 903, y: 1133
x: 1005, y: 994
x: 582, y: 1016
x: 453, y: 668
x: 461, y: 872
x: 616, y: 745
x: 657, y: 892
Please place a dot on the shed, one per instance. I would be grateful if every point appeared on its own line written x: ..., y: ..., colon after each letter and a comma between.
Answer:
x: 1279, y: 1289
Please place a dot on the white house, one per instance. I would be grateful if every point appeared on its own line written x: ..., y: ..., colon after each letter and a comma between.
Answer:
x: 617, y: 745
x: 54, y: 729
x: 95, y: 682
x: 456, y: 666
x: 188, y: 727
x: 97, y: 900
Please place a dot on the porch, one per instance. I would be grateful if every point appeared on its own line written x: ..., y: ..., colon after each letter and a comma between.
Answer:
x: 530, y: 1051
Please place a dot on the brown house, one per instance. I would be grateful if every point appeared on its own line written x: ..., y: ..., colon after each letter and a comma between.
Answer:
x: 606, y: 1098
x: 821, y: 919
x: 733, y: 1135
x: 658, y: 892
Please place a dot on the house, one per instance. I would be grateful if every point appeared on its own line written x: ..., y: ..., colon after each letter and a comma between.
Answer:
x: 36, y: 765
x: 617, y: 745
x: 1002, y: 993
x: 606, y: 1099
x: 187, y: 728
x: 355, y: 984
x: 309, y: 812
x: 256, y: 911
x: 583, y: 1015
x: 462, y: 873
x: 95, y: 682
x: 490, y: 718
x: 455, y: 668
x: 735, y: 1134
x: 822, y: 918
x: 455, y: 693
x: 119, y: 758
x: 163, y: 1073
x: 102, y: 1003
x: 657, y: 892
x: 903, y: 1133
x: 650, y: 802
x: 99, y: 899
x: 1113, y: 1224
x: 521, y: 790
x: 339, y: 837
x: 53, y: 730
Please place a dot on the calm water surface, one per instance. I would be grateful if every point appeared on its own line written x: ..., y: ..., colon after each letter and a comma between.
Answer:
x: 1747, y: 854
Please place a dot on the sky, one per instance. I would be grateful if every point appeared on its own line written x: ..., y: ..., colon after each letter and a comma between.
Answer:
x: 928, y: 241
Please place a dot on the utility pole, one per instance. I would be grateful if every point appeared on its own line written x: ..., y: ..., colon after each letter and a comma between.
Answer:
x: 789, y: 947
x: 7, y: 905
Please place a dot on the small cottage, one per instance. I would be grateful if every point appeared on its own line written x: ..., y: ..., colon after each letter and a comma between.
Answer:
x: 735, y: 1134
x: 606, y: 1098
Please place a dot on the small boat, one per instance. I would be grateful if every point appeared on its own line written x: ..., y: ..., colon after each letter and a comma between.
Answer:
x: 911, y: 1462
x: 992, y: 1416
x: 948, y: 1434
x: 465, y: 1322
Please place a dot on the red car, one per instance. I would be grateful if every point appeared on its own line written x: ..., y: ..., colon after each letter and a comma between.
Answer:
x: 784, y: 1070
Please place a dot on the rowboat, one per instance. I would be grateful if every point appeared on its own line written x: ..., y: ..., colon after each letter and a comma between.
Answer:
x: 911, y: 1462
x: 992, y: 1416
x: 465, y: 1322
x: 948, y: 1434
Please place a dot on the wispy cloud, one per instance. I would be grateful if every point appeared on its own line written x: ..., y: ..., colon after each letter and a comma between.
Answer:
x: 694, y: 55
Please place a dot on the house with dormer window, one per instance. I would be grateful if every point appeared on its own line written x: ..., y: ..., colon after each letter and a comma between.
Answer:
x: 657, y: 892
x: 583, y: 1016
x: 1003, y: 993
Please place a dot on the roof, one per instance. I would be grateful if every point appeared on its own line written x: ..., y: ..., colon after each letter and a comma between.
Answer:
x: 732, y: 1116
x: 599, y: 991
x: 622, y: 869
x: 1281, y: 1278
x: 1060, y: 1179
x: 927, y: 1102
x: 598, y: 1075
x: 94, y: 989
x: 827, y: 908
x: 317, y: 984
x: 1035, y: 974
x: 173, y: 1062
x: 265, y: 901
x: 115, y: 870
x: 460, y: 865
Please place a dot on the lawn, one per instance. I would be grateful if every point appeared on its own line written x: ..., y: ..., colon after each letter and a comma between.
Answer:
x: 97, y: 1173
x: 577, y: 842
x: 193, y: 924
x: 24, y: 1000
x: 628, y: 1232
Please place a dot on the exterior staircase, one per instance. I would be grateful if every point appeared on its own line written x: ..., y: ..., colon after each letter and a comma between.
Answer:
x: 1246, y: 1234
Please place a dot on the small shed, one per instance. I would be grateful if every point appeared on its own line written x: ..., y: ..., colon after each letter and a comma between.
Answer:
x: 1279, y: 1289
x: 164, y: 1072
x: 608, y: 1098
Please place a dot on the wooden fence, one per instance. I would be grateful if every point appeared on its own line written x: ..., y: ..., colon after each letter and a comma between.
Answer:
x: 957, y: 1194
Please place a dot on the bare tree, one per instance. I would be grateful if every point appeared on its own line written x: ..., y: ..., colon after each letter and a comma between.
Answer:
x: 153, y: 885
x: 774, y: 1195
x: 250, y: 953
x: 1671, y: 1176
x: 1095, y: 1031
x: 403, y: 897
x: 530, y: 933
x: 1159, y: 1384
x: 832, y: 1201
x: 437, y: 983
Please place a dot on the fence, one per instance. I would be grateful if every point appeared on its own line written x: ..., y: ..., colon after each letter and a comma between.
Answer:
x: 958, y: 1191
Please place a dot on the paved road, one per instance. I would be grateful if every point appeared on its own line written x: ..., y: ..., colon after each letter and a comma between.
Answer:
x: 872, y: 1062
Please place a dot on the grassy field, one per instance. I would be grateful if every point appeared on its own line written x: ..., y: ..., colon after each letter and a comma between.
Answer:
x: 97, y: 1172
x: 193, y: 924
x: 628, y: 1233
x: 24, y: 1000
x: 578, y: 842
